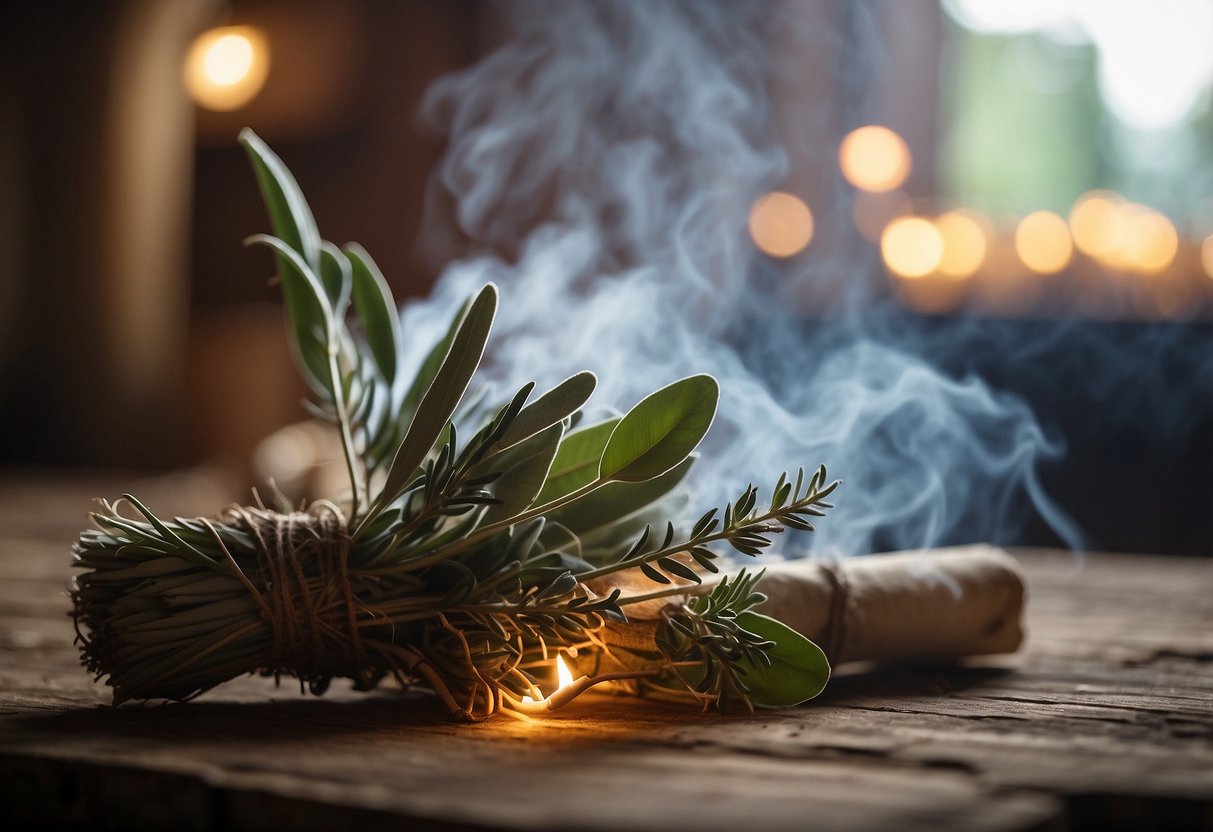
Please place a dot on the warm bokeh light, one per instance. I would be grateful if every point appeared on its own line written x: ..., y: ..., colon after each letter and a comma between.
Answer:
x: 226, y: 67
x: 873, y: 211
x: 911, y: 246
x: 1042, y: 241
x: 1150, y: 242
x: 781, y: 225
x: 874, y: 158
x: 1097, y: 222
x: 1206, y: 255
x: 964, y: 243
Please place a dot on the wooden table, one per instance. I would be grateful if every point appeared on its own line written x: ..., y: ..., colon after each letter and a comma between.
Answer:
x: 1105, y: 721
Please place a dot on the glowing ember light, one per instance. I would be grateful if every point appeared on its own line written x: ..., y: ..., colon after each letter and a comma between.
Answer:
x: 226, y: 67
x: 964, y: 243
x: 1042, y: 242
x: 1097, y: 222
x: 1206, y: 255
x: 911, y: 246
x: 1150, y: 242
x: 564, y: 678
x: 781, y: 225
x: 874, y: 158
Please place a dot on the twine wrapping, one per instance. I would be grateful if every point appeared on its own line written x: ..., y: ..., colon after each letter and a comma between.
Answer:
x: 302, y: 586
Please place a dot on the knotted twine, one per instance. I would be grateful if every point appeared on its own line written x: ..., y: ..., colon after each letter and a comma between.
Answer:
x: 302, y: 587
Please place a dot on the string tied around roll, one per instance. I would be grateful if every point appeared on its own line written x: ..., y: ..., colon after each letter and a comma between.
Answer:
x: 302, y: 586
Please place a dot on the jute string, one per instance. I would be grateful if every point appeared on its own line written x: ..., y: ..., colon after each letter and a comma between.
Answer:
x: 303, y: 589
x: 836, y: 627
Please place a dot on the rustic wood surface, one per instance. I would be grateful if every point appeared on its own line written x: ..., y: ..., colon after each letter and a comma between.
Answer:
x: 1104, y: 721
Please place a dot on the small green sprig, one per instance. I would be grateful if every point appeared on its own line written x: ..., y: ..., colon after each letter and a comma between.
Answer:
x: 453, y: 565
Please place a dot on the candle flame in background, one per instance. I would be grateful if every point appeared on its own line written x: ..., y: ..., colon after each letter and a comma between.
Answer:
x: 1097, y: 223
x: 781, y: 225
x: 874, y: 158
x: 1042, y: 240
x: 911, y: 246
x: 1150, y: 241
x: 965, y: 243
x: 226, y: 67
x: 602, y: 163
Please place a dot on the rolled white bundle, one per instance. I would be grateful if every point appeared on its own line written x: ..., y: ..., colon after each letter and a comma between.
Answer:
x: 936, y: 605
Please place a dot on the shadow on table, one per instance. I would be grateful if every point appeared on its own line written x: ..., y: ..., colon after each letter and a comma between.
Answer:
x: 594, y: 716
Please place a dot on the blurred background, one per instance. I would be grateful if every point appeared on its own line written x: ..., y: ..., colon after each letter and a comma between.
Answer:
x: 1024, y: 192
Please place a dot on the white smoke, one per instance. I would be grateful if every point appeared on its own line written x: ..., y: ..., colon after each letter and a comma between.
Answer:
x: 601, y: 163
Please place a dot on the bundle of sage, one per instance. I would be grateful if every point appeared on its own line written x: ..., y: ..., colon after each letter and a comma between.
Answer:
x: 479, y: 538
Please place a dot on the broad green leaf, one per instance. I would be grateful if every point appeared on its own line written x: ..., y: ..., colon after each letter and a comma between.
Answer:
x: 617, y: 500
x: 562, y: 400
x: 526, y: 468
x: 375, y: 308
x: 307, y: 312
x: 799, y: 669
x: 661, y: 430
x: 576, y: 463
x: 290, y: 216
x: 444, y: 393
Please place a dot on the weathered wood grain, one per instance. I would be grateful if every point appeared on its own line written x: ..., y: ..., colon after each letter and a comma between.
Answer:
x: 1104, y: 721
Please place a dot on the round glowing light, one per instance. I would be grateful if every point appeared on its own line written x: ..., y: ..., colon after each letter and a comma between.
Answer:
x: 1150, y: 242
x: 1042, y: 241
x: 911, y: 246
x: 1206, y: 255
x: 226, y: 67
x: 1097, y: 222
x: 964, y: 243
x: 781, y: 225
x: 874, y: 158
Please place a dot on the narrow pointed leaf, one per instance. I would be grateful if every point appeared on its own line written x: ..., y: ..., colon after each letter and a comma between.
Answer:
x: 376, y: 310
x: 290, y: 216
x: 440, y: 400
x: 429, y: 367
x: 563, y: 400
x: 307, y: 312
x: 335, y: 275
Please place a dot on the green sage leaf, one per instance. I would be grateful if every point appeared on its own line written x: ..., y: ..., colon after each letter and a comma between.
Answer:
x: 661, y: 430
x: 577, y: 460
x: 561, y: 401
x: 799, y: 669
x: 440, y: 400
x: 376, y: 310
x: 616, y: 500
x: 290, y: 216
x: 336, y: 277
x: 526, y: 468
x: 429, y: 367
x: 307, y: 313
